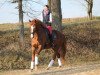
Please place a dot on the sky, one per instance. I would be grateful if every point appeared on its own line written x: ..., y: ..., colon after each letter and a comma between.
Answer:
x: 70, y: 9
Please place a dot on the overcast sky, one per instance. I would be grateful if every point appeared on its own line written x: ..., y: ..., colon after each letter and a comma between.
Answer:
x: 70, y: 9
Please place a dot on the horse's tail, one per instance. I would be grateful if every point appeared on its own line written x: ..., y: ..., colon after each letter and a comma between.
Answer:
x: 64, y: 51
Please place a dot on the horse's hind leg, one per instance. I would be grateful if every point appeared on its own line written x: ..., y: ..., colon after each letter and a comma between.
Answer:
x: 52, y: 61
x: 59, y: 60
x: 62, y: 55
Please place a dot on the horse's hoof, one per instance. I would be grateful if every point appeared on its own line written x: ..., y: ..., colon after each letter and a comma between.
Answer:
x: 59, y: 66
x: 31, y: 70
x: 36, y: 68
x: 47, y: 68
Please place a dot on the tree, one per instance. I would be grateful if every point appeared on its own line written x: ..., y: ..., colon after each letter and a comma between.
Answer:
x: 21, y: 25
x: 49, y: 3
x: 89, y: 8
x: 56, y: 14
x: 14, y: 1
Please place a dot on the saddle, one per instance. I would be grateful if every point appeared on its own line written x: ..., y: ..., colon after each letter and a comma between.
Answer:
x: 50, y: 35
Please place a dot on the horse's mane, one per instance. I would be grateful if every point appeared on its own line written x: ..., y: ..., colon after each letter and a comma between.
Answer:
x: 37, y: 22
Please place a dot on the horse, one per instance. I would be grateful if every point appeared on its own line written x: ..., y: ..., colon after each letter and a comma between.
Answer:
x: 39, y: 42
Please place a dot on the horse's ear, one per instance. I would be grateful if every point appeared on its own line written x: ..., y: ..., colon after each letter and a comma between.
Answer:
x: 35, y: 21
x: 29, y: 20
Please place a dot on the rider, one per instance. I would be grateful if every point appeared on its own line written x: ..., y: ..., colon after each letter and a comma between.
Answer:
x: 46, y: 15
x: 46, y: 20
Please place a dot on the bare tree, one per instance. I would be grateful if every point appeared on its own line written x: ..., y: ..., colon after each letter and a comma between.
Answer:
x: 56, y: 14
x: 21, y: 24
x: 89, y: 8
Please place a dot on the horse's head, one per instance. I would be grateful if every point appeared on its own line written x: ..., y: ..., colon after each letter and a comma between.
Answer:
x: 35, y: 24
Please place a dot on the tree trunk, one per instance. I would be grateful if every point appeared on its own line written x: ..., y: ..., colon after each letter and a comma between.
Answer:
x: 21, y: 25
x: 89, y: 8
x: 49, y: 4
x: 56, y: 14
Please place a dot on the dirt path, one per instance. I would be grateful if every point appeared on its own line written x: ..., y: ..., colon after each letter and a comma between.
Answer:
x: 93, y: 69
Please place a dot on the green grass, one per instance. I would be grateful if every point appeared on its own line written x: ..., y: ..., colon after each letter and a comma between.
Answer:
x: 83, y: 45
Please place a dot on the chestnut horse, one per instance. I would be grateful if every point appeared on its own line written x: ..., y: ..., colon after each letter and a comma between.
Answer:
x: 40, y: 41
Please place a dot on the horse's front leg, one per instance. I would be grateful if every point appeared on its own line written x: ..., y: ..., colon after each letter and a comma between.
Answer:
x: 33, y: 58
x: 36, y: 56
x: 35, y: 53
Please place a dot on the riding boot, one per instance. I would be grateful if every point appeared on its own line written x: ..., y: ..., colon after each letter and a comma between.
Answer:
x: 53, y: 37
x: 47, y: 35
x: 51, y: 40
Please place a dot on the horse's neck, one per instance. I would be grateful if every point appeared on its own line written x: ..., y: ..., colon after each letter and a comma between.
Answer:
x: 39, y: 31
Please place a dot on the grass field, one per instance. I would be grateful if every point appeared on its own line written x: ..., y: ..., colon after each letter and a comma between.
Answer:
x: 83, y: 44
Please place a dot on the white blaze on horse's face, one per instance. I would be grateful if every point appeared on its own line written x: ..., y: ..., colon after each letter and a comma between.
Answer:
x: 32, y: 29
